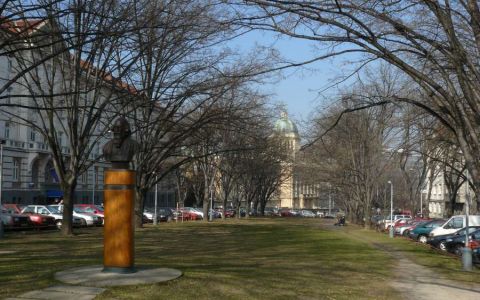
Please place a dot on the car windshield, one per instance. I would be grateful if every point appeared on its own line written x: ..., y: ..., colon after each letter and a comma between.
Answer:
x: 99, y: 208
x: 78, y: 210
x: 53, y: 209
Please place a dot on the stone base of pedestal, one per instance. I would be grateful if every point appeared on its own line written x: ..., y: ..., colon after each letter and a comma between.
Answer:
x: 93, y: 276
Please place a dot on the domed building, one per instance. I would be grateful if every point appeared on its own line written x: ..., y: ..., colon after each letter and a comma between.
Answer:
x: 294, y: 192
x: 285, y: 128
x: 287, y: 131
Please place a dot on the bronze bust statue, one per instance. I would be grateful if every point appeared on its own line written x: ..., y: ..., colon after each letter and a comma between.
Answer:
x: 121, y: 149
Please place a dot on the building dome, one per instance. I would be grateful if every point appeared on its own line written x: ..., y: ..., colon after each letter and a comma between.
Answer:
x: 285, y: 126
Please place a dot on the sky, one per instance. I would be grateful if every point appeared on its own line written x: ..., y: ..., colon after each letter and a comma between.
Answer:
x: 300, y: 89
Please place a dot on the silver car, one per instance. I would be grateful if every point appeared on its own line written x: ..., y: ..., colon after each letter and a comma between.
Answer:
x: 88, y: 219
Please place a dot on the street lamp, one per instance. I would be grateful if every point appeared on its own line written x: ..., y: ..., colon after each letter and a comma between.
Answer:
x: 2, y: 142
x: 391, y: 208
x: 211, y: 205
x: 466, y: 251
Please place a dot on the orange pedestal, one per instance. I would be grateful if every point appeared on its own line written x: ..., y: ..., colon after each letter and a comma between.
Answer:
x: 119, y: 194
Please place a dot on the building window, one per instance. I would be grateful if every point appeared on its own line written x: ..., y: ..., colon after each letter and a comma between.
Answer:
x: 60, y: 138
x: 83, y: 178
x: 16, y: 170
x: 32, y: 135
x: 6, y: 134
x: 9, y: 92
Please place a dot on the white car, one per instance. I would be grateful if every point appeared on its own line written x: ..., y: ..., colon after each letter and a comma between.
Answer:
x: 307, y: 213
x: 387, y: 222
x: 455, y: 223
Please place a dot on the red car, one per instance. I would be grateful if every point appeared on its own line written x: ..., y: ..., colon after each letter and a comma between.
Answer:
x: 229, y: 213
x: 286, y: 212
x: 186, y: 215
x: 38, y: 221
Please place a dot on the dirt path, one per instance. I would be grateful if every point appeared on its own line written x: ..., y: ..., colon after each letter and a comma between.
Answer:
x: 418, y: 282
x: 414, y: 281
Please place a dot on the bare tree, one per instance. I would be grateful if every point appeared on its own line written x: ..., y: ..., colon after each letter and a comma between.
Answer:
x: 435, y: 43
x: 74, y: 90
x: 351, y: 156
x: 185, y: 75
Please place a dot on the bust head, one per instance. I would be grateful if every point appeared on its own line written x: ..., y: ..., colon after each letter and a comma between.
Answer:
x: 121, y: 149
x: 121, y: 131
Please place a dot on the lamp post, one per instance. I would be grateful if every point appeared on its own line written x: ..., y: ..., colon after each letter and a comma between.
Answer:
x: 329, y: 200
x: 211, y: 205
x: 155, y: 221
x: 2, y: 142
x: 391, y: 208
x: 466, y: 251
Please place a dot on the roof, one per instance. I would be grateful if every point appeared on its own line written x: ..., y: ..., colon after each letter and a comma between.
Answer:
x: 29, y: 26
x: 285, y: 126
x: 21, y: 26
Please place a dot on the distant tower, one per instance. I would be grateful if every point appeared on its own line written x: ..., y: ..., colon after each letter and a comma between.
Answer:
x: 287, y: 131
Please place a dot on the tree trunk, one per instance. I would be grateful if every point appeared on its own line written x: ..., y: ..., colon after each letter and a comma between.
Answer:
x: 139, y: 206
x: 68, y: 189
x: 206, y: 199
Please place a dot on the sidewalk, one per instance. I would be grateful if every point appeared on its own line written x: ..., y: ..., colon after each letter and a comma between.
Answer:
x: 62, y: 292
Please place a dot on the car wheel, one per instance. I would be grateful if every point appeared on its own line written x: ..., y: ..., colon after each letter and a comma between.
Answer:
x: 83, y: 222
x: 442, y: 246
x: 406, y: 232
x: 458, y: 250
x: 59, y: 224
x: 422, y: 239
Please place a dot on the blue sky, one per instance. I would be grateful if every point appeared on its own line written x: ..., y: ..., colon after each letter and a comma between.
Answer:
x: 299, y: 88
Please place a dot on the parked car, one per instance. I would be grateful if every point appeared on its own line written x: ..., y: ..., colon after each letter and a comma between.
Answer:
x: 87, y: 219
x: 229, y: 213
x: 195, y: 211
x: 455, y: 223
x: 421, y: 231
x: 269, y: 212
x: 215, y: 214
x: 165, y: 214
x: 455, y: 242
x: 14, y: 221
x: 243, y: 212
x: 52, y: 211
x: 287, y: 212
x: 38, y: 221
x: 387, y: 222
x: 440, y: 241
x: 409, y: 225
x: 92, y: 209
x: 399, y: 223
x: 180, y: 215
x: 475, y: 246
x: 307, y: 213
x: 148, y: 215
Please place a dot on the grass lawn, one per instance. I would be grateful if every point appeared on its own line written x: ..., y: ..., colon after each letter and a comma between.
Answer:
x: 246, y: 259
